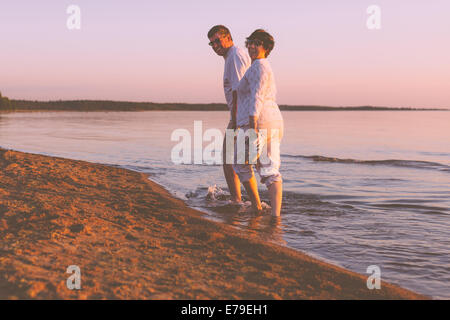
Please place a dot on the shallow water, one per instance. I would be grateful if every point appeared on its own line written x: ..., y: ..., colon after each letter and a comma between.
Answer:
x: 360, y: 188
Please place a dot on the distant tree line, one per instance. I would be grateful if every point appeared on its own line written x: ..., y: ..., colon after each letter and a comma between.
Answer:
x: 5, y: 103
x: 105, y: 105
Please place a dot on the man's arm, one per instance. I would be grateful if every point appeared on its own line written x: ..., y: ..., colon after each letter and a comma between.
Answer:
x: 238, y: 67
x: 253, y: 122
x: 234, y: 111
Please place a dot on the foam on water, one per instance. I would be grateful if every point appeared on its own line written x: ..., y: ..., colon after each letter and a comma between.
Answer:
x: 216, y: 199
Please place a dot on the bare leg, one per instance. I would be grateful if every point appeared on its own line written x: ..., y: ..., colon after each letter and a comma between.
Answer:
x: 251, y: 186
x: 234, y: 185
x: 276, y: 195
x: 233, y: 182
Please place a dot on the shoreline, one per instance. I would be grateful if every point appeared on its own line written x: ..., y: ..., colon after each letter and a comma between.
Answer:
x: 133, y: 240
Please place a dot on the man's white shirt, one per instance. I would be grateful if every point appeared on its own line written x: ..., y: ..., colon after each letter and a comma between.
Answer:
x: 237, y: 61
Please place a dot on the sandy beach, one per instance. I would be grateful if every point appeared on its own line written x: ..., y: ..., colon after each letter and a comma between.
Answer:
x: 132, y: 240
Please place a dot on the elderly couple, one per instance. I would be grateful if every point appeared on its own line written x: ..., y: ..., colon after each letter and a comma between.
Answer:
x: 250, y: 91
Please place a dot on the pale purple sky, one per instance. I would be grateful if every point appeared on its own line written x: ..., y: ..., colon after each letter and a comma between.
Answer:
x: 157, y: 50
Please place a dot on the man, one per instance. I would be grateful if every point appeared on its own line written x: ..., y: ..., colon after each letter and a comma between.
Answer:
x: 237, y: 61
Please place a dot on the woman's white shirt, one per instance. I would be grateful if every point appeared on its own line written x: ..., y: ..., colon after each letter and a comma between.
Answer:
x: 257, y: 94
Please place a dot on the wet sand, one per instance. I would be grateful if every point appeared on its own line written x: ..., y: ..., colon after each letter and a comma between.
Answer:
x: 132, y: 240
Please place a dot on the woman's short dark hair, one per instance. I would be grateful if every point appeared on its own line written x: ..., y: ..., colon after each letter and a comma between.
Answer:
x: 265, y: 37
x: 219, y: 29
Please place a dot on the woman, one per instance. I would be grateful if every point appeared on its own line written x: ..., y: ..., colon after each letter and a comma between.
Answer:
x: 257, y: 110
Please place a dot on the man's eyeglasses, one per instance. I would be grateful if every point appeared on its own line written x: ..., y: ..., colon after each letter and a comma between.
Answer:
x: 255, y: 42
x: 217, y: 41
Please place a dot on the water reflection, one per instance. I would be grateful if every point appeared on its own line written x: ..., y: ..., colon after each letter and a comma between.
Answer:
x: 263, y: 226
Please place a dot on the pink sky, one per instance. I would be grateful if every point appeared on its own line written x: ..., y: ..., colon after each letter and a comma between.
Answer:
x: 157, y: 51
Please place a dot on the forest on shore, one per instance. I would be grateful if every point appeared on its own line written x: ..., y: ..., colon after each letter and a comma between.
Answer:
x: 106, y: 105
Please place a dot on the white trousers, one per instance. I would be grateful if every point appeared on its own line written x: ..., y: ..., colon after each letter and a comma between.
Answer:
x: 266, y: 152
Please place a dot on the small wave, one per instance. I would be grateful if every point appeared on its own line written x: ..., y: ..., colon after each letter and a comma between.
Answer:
x: 391, y: 162
x: 433, y: 209
x: 439, y: 154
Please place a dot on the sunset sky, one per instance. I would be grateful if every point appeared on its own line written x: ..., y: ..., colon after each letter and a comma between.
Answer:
x: 158, y: 50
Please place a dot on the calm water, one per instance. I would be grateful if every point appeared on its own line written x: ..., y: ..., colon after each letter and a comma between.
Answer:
x: 361, y: 188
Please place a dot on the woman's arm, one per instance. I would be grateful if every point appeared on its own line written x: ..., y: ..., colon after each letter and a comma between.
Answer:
x: 258, y: 86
